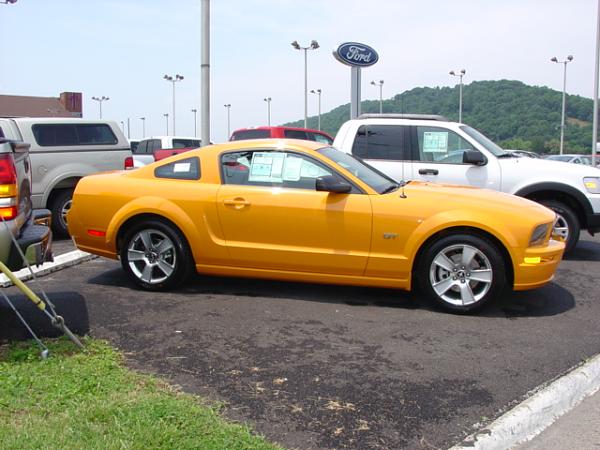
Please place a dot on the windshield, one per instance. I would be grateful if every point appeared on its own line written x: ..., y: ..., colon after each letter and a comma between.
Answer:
x: 367, y: 174
x: 487, y: 143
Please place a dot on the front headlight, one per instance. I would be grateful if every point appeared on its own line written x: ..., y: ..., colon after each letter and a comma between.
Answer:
x: 592, y: 184
x: 539, y: 234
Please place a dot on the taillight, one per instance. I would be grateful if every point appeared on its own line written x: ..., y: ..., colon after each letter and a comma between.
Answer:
x: 8, y: 174
x: 128, y: 163
x: 8, y: 187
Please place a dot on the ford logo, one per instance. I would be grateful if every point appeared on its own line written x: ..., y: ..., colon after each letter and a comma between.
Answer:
x: 355, y: 54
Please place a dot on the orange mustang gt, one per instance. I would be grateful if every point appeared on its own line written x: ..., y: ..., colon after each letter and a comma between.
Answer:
x: 295, y: 210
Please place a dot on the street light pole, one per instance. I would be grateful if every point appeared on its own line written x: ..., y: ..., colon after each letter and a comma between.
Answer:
x: 313, y: 46
x: 318, y: 92
x: 228, y: 106
x: 460, y: 75
x: 195, y: 111
x: 143, y: 119
x: 100, y: 100
x: 167, y: 122
x: 596, y: 70
x: 564, y: 98
x: 380, y: 84
x: 173, y: 80
x: 268, y: 100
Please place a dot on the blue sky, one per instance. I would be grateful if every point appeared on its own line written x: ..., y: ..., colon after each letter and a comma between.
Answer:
x: 122, y: 49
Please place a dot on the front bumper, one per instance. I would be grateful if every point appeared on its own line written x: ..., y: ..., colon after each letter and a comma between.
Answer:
x: 538, y: 265
x: 34, y: 241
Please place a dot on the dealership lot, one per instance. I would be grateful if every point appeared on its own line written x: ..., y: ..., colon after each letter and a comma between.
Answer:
x: 315, y: 366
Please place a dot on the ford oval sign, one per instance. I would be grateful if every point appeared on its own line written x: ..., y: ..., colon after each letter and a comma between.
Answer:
x: 356, y: 55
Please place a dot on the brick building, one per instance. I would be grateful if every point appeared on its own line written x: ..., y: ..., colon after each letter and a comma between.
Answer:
x: 69, y: 104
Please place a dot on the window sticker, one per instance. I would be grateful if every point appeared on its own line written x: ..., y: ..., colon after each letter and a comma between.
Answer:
x: 435, y: 142
x: 267, y: 167
x: 181, y: 167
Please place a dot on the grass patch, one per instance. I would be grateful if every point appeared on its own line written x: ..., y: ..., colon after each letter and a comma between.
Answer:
x: 76, y: 400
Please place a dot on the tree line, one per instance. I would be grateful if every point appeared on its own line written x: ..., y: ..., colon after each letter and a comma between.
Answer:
x: 511, y: 113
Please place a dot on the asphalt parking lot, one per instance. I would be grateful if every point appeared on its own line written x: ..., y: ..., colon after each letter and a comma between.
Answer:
x: 318, y: 367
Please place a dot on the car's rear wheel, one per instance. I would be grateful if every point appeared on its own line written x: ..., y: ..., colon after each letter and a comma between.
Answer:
x: 567, y: 224
x: 155, y: 255
x: 461, y: 272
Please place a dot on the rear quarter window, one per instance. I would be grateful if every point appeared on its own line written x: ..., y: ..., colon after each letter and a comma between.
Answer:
x: 183, y: 169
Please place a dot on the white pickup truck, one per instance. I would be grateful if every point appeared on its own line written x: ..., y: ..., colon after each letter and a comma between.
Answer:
x: 62, y: 152
x: 431, y: 148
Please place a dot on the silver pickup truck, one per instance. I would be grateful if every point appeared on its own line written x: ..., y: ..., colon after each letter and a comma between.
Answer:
x: 30, y: 230
x: 63, y: 151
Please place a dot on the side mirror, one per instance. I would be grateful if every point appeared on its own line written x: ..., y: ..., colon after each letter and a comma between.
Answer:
x: 473, y: 157
x: 329, y: 183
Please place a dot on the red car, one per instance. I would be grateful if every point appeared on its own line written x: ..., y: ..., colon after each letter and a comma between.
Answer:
x: 281, y: 132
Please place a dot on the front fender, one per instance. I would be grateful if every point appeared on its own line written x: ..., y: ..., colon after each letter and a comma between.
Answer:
x: 509, y: 237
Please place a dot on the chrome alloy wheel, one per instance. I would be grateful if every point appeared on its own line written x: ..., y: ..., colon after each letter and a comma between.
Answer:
x: 151, y: 256
x: 561, y: 227
x: 461, y: 274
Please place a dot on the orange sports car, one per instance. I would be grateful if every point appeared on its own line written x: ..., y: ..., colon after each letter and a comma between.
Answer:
x: 296, y: 210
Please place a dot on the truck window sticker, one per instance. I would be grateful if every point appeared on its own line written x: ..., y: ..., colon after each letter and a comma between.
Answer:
x: 435, y: 142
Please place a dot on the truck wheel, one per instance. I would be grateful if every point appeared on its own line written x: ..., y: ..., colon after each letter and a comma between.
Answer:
x: 59, y: 206
x: 461, y: 272
x: 156, y: 256
x: 567, y: 223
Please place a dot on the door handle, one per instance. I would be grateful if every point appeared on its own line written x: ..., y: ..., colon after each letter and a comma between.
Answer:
x: 237, y: 202
x: 428, y: 171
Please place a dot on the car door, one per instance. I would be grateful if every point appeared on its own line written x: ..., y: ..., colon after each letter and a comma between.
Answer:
x: 385, y: 147
x: 438, y: 157
x: 273, y: 217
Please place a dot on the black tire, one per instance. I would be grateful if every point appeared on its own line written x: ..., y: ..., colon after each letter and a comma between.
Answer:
x: 156, y: 270
x: 59, y: 205
x: 566, y: 218
x: 459, y: 280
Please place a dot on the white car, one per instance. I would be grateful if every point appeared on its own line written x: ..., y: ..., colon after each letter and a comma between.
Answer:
x: 431, y: 148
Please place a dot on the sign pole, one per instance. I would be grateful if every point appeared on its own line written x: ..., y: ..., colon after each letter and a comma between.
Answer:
x: 355, y: 85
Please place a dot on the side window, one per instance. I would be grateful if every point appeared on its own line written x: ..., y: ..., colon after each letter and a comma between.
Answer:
x: 183, y: 143
x: 272, y: 169
x: 154, y: 144
x: 1, y: 133
x: 440, y: 145
x: 73, y: 134
x: 295, y: 134
x: 53, y: 135
x: 142, y: 148
x: 391, y: 142
x: 183, y: 169
x: 95, y: 134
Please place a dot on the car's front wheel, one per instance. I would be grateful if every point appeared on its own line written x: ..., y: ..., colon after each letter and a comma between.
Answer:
x: 155, y: 255
x: 461, y: 272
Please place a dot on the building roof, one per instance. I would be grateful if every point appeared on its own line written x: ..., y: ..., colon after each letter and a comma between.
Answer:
x: 22, y: 106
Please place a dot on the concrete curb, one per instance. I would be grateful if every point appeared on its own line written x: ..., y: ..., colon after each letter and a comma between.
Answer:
x: 531, y: 417
x: 60, y: 262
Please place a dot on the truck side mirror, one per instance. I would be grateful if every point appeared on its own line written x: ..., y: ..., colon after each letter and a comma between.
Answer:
x: 473, y: 157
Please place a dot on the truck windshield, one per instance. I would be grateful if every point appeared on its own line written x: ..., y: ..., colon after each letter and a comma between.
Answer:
x: 484, y: 141
x: 367, y: 174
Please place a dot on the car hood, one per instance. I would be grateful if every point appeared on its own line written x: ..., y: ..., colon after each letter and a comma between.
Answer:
x: 452, y: 197
x: 548, y: 167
